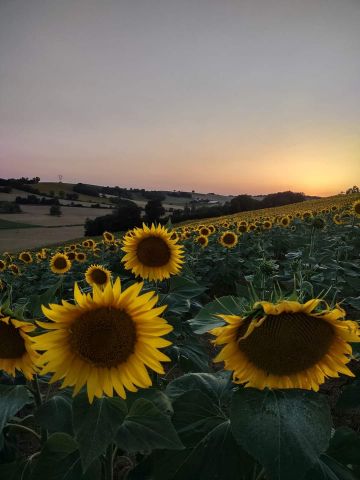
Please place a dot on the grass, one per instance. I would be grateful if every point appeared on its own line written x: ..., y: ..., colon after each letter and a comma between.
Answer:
x: 8, y: 224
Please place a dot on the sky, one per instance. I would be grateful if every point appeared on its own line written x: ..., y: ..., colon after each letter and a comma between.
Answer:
x: 230, y: 96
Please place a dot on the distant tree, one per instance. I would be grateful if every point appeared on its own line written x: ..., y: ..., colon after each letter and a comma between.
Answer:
x: 55, y: 210
x: 282, y: 198
x: 127, y: 215
x: 9, y: 207
x: 154, y: 210
x: 153, y: 195
x: 354, y: 189
x: 243, y: 203
x: 61, y: 193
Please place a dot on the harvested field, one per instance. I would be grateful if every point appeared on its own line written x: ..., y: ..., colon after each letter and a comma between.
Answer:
x: 68, y: 226
x: 18, y: 239
x: 39, y: 215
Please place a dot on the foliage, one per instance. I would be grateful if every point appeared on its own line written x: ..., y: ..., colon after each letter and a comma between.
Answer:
x: 194, y: 423
x: 154, y: 210
x: 55, y: 210
x: 127, y: 215
x: 9, y: 207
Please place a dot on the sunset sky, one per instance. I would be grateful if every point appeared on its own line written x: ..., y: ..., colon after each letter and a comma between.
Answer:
x: 225, y: 96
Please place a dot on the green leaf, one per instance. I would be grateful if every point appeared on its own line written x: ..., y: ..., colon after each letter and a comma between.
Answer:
x: 200, y: 417
x: 215, y: 457
x: 186, y: 287
x: 345, y: 446
x: 12, y: 399
x: 60, y: 460
x: 56, y: 414
x: 206, y: 319
x: 96, y: 424
x: 157, y: 397
x: 350, y: 396
x: 217, y: 387
x: 284, y: 430
x: 146, y: 428
x: 35, y: 301
x: 190, y: 355
x: 13, y: 470
x: 329, y: 469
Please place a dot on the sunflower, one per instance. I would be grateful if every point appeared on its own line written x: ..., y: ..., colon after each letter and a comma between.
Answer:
x: 228, y: 239
x: 73, y: 247
x: 337, y: 219
x: 98, y: 275
x: 85, y: 243
x: 14, y: 269
x: 251, y: 227
x: 202, y: 240
x: 287, y: 345
x: 106, y: 340
x: 284, y: 221
x: 25, y: 257
x: 307, y: 215
x: 80, y: 257
x: 60, y: 263
x: 174, y: 236
x: 267, y: 224
x: 16, y: 347
x: 211, y: 228
x: 151, y: 253
x: 2, y: 265
x: 71, y: 255
x: 108, y: 237
x: 356, y: 208
x: 242, y: 228
x: 204, y: 231
x: 318, y: 223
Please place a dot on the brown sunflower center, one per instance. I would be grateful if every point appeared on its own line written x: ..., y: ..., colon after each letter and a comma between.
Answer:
x: 105, y: 337
x: 228, y: 238
x: 12, y: 345
x: 357, y: 208
x: 26, y: 257
x: 202, y: 240
x: 153, y: 252
x: 60, y: 263
x: 98, y: 276
x: 287, y: 343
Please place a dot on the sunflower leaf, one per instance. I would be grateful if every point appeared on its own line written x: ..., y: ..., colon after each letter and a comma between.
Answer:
x: 56, y: 414
x: 285, y: 431
x: 96, y: 424
x: 207, y: 318
x: 200, y: 418
x: 60, y: 460
x: 146, y: 428
x: 12, y: 399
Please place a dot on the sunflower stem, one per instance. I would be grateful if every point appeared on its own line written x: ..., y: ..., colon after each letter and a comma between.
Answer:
x: 260, y: 475
x: 18, y: 426
x: 39, y: 402
x: 36, y: 391
x: 109, y: 465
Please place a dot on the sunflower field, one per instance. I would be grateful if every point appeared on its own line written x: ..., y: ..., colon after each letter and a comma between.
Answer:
x: 224, y: 349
